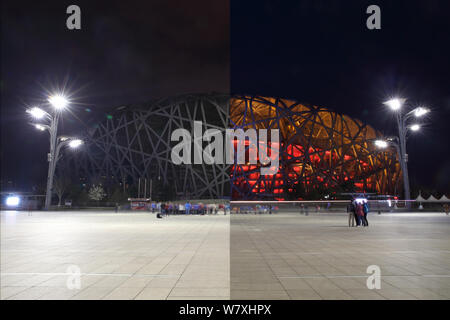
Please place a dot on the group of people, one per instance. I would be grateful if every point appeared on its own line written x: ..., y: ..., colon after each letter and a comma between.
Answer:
x: 357, y: 212
x: 257, y: 209
x: 166, y: 208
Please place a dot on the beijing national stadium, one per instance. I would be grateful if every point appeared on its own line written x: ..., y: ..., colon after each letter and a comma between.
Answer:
x: 320, y: 150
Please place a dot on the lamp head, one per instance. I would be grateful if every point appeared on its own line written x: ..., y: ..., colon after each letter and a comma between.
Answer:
x: 381, y: 144
x: 420, y: 111
x: 395, y: 104
x: 58, y: 102
x: 75, y: 143
x: 40, y: 127
x: 36, y: 112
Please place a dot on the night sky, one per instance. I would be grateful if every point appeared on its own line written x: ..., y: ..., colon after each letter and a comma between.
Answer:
x: 317, y: 52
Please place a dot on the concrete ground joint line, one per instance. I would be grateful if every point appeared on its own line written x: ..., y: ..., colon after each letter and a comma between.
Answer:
x: 362, y: 276
x: 88, y: 274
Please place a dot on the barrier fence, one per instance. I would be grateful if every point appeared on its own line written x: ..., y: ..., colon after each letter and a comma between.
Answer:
x: 324, y: 206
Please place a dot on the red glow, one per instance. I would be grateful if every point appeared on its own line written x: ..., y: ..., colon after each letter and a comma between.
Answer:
x: 248, y: 178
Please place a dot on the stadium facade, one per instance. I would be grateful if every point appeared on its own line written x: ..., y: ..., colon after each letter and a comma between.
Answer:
x: 318, y: 149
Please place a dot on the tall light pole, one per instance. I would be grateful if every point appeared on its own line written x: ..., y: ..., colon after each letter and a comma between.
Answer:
x: 59, y: 103
x: 404, y: 125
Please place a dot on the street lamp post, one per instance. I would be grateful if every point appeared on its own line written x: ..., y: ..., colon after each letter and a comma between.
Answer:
x: 399, y: 142
x: 56, y: 143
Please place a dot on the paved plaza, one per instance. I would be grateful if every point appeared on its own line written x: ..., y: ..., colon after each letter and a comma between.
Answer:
x: 120, y: 256
x: 278, y: 256
x: 319, y: 257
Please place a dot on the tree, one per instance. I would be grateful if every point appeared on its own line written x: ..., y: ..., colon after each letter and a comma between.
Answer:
x: 118, y: 196
x: 60, y: 186
x: 97, y: 193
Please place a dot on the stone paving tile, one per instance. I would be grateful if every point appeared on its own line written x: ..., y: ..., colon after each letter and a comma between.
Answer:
x: 259, y: 295
x: 59, y: 294
x: 201, y: 292
x: 7, y: 292
x: 257, y: 286
x: 333, y: 294
x: 442, y: 292
x: 153, y: 294
x: 124, y: 293
x: 163, y: 282
x: 364, y: 294
x: 136, y: 282
x: 321, y: 284
x: 303, y: 294
x: 349, y: 283
x: 92, y: 293
x: 32, y: 293
x: 110, y: 282
x: 395, y: 294
x: 424, y: 294
x: 295, y: 284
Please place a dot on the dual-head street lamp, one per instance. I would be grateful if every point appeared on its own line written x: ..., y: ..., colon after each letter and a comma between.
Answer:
x: 59, y: 103
x: 399, y: 142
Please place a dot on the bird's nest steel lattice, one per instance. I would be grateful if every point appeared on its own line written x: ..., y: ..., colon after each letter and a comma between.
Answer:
x: 135, y: 142
x: 318, y: 148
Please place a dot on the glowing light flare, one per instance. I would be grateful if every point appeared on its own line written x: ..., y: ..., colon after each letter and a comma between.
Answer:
x: 381, y: 143
x: 37, y: 113
x: 58, y: 102
x: 12, y: 201
x: 75, y: 143
x: 420, y: 111
x: 39, y: 127
x: 395, y: 104
x: 415, y: 127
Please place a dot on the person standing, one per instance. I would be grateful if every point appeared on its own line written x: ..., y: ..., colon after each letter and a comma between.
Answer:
x: 366, y: 211
x: 359, y: 213
x: 227, y: 207
x: 446, y: 208
x: 351, y: 214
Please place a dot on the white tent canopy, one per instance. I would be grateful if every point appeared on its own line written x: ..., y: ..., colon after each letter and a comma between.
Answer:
x: 420, y: 199
x: 432, y: 199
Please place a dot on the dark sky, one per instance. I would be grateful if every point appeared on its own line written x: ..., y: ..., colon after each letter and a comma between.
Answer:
x: 126, y: 52
x: 321, y: 53
x: 317, y: 52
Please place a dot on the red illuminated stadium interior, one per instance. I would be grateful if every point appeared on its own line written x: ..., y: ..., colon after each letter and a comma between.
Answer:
x: 247, y: 177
